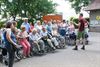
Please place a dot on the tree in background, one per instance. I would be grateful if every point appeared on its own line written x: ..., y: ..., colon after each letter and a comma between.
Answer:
x: 78, y: 4
x: 25, y: 8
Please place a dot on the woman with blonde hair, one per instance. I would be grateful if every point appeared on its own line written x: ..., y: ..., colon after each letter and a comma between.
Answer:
x: 23, y: 35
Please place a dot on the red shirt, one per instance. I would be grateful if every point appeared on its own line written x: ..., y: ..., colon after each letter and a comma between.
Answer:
x: 31, y: 28
x: 82, y: 24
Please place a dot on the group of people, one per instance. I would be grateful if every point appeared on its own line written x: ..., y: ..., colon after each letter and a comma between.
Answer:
x: 41, y: 35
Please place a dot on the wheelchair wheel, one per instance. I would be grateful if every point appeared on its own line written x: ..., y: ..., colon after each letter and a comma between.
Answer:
x: 1, y: 58
x: 19, y: 54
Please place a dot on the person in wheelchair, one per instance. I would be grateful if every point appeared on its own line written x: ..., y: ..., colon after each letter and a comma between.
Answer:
x: 23, y: 40
x: 35, y: 40
x: 58, y: 39
x: 50, y: 35
x: 71, y: 28
x: 63, y: 27
x: 86, y: 32
x: 46, y: 39
x: 54, y: 41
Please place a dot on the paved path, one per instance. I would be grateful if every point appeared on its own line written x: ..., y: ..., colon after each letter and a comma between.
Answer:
x: 67, y: 57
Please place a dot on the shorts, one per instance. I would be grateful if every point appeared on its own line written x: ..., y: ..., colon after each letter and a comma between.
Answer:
x: 81, y: 35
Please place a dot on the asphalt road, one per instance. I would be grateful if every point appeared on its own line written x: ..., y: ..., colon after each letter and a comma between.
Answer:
x: 67, y: 57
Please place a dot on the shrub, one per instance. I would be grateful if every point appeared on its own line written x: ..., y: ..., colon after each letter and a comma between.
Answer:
x: 19, y: 22
x: 2, y: 24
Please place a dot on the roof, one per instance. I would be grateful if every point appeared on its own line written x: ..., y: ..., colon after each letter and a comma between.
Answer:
x: 95, y: 5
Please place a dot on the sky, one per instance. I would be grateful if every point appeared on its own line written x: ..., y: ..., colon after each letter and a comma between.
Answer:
x: 65, y: 8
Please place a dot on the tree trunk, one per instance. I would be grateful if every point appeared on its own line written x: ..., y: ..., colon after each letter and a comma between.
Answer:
x: 14, y: 18
x: 25, y: 14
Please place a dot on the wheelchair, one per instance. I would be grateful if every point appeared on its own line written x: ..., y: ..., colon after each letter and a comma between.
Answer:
x: 70, y: 39
x: 61, y: 41
x: 35, y: 50
x: 4, y: 54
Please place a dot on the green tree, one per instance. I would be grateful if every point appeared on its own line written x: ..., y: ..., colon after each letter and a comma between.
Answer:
x: 27, y: 7
x: 78, y: 4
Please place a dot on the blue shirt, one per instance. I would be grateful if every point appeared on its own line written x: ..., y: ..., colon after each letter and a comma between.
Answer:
x: 13, y: 37
x: 27, y: 26
x: 49, y: 29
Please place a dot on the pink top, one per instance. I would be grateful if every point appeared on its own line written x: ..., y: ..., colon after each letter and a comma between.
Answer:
x: 31, y: 26
x: 23, y: 34
x: 72, y: 28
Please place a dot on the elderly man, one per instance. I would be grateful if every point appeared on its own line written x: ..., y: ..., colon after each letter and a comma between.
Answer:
x: 26, y: 24
x: 46, y: 39
x: 35, y: 39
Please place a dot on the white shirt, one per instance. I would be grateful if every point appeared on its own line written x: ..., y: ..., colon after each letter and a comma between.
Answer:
x: 43, y: 33
x: 71, y: 28
x: 35, y: 37
x: 54, y: 26
x: 8, y: 30
x: 39, y: 27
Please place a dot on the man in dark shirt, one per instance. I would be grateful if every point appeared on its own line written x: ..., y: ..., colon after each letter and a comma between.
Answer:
x: 81, y: 34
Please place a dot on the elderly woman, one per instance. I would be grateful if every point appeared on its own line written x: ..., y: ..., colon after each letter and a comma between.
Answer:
x: 55, y: 33
x: 63, y: 28
x: 24, y: 42
x: 71, y: 28
x: 54, y: 28
x: 38, y: 26
x: 35, y: 39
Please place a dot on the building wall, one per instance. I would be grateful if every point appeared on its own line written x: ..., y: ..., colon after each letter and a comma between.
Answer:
x: 52, y: 17
x: 95, y: 20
